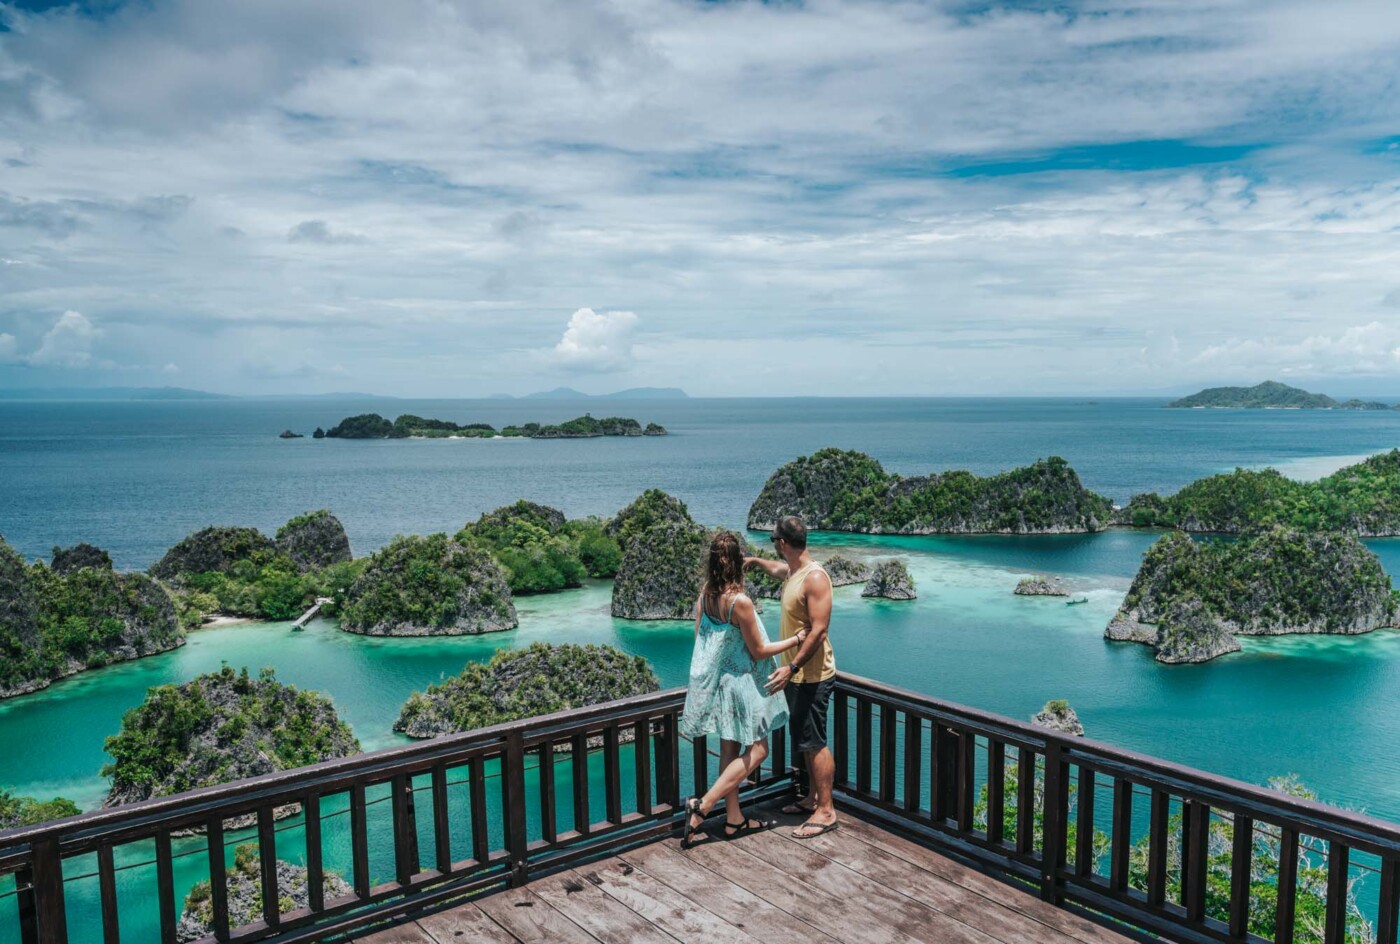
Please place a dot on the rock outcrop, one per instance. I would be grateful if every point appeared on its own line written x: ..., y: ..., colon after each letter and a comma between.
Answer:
x: 1057, y: 715
x: 314, y: 540
x: 428, y: 586
x: 659, y: 577
x: 890, y: 580
x: 524, y: 683
x: 245, y: 896
x: 1189, y: 601
x: 219, y: 727
x: 56, y: 624
x: 837, y: 490
x: 1041, y: 587
x: 66, y: 560
x: 211, y: 550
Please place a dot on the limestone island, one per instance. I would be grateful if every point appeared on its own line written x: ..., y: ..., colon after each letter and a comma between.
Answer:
x: 1270, y: 395
x: 658, y: 577
x: 1191, y: 600
x: 1057, y: 715
x: 56, y: 621
x: 838, y: 490
x: 890, y: 580
x: 219, y: 727
x: 1363, y: 499
x: 428, y: 586
x: 1041, y: 587
x: 540, y: 550
x: 408, y: 426
x: 243, y: 885
x: 523, y: 683
x: 288, y: 434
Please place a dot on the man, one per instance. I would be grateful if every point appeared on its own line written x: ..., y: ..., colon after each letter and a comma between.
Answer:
x: 807, y: 674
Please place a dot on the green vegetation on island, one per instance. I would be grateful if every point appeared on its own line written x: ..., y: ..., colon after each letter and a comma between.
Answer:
x: 16, y: 811
x: 242, y: 572
x: 374, y: 426
x: 1191, y: 599
x: 662, y: 553
x: 219, y: 727
x: 54, y: 624
x: 244, y: 895
x: 890, y: 580
x: 1362, y: 498
x: 428, y: 586
x: 1270, y: 395
x: 523, y: 683
x: 839, y: 490
x: 540, y: 550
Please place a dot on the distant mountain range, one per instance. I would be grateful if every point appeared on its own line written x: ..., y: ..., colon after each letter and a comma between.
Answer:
x: 632, y: 393
x: 110, y: 393
x: 1271, y: 395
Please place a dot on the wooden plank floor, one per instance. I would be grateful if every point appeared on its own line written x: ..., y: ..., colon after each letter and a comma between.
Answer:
x: 859, y: 884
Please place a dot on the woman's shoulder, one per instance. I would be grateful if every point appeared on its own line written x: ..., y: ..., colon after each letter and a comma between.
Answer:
x: 742, y: 606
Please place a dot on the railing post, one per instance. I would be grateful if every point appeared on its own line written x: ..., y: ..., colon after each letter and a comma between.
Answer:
x: 1056, y: 817
x: 517, y: 842
x: 46, y: 894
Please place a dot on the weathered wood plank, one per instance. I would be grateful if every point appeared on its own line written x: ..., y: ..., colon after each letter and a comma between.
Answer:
x: 719, y: 896
x: 998, y: 894
x: 580, y: 896
x: 464, y: 923
x: 409, y: 933
x: 955, y: 901
x: 915, y: 918
x: 664, y: 907
x: 844, y: 918
x: 529, y: 918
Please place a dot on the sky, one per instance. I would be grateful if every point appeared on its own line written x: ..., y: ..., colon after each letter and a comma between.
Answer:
x: 431, y: 198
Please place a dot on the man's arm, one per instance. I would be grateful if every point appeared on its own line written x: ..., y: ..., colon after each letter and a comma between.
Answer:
x: 776, y: 569
x: 817, y: 588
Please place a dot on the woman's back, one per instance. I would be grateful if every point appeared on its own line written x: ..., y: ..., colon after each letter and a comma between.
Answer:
x: 726, y: 694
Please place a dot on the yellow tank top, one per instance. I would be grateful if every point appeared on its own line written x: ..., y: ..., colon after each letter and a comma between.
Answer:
x: 822, y: 665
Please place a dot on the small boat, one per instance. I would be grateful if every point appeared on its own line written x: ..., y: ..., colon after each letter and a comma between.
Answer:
x: 1076, y: 602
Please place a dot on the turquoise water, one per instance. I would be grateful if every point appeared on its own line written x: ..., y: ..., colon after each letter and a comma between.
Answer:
x: 136, y: 477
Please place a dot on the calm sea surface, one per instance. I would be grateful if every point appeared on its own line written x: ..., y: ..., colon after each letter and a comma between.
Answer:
x: 136, y: 477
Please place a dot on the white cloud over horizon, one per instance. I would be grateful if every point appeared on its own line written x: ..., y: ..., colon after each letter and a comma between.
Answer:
x: 904, y: 197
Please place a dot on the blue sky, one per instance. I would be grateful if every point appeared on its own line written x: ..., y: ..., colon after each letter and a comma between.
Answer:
x: 832, y: 197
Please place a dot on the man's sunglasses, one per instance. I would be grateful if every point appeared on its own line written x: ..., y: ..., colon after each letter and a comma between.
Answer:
x: 775, y: 539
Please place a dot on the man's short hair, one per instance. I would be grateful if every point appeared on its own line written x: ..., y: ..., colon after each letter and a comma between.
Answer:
x: 791, y: 529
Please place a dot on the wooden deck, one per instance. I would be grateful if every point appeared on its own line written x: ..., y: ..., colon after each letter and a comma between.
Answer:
x: 860, y: 884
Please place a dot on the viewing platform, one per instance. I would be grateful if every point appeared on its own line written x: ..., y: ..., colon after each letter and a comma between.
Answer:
x: 958, y: 826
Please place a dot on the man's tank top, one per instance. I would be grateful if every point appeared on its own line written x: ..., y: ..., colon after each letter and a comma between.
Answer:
x: 822, y: 665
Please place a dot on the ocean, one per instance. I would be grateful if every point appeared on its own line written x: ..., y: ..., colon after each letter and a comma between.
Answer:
x: 136, y: 477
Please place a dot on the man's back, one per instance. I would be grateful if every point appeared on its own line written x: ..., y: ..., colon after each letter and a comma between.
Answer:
x: 795, y: 617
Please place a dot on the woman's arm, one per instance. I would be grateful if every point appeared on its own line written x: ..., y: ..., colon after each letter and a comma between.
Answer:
x: 746, y: 618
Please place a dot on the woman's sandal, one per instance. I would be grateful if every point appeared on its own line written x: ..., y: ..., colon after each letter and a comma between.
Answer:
x: 692, y: 808
x: 748, y: 826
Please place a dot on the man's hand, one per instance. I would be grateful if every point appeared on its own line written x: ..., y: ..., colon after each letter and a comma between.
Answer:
x: 779, y: 679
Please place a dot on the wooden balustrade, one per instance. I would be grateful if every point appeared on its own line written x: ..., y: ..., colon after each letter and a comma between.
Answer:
x: 1119, y: 836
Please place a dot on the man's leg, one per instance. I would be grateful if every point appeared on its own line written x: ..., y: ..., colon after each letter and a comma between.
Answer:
x: 821, y: 767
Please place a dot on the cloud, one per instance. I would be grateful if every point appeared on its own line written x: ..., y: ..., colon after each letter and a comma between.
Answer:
x: 596, y: 341
x: 319, y: 231
x: 1362, y: 350
x: 9, y: 351
x: 170, y: 368
x: 68, y: 343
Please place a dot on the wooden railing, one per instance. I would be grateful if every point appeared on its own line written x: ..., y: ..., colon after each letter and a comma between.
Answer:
x: 1182, y: 854
x: 1121, y: 837
x: 467, y: 812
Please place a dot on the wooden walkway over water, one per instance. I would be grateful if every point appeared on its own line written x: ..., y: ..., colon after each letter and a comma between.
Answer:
x: 860, y: 884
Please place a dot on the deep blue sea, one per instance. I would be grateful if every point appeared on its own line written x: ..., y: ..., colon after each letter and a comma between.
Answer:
x: 136, y: 477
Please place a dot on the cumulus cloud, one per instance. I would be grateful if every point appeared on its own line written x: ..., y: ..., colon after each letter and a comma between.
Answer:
x: 68, y: 343
x: 1364, y: 349
x: 319, y: 231
x: 596, y: 341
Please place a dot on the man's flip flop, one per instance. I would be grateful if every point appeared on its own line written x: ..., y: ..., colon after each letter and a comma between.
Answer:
x: 821, y: 829
x: 796, y: 809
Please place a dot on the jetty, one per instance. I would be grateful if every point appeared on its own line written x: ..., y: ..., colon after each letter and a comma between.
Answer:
x: 498, y: 835
x: 310, y: 614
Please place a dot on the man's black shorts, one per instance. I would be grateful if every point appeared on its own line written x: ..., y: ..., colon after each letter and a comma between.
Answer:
x: 807, y: 712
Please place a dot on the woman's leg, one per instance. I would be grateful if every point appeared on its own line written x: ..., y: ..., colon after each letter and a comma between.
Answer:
x: 732, y: 774
x: 733, y: 809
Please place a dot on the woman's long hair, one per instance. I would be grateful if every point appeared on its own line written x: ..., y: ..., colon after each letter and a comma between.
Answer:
x: 724, y: 567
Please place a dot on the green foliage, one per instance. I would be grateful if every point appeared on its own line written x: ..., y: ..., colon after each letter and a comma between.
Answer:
x: 430, y: 581
x: 202, y: 732
x: 598, y: 552
x: 1270, y: 395
x: 301, y: 520
x: 1364, y: 497
x: 18, y: 811
x: 363, y: 426
x: 523, y: 683
x: 537, y: 548
x: 1011, y: 780
x: 652, y: 508
x: 374, y: 426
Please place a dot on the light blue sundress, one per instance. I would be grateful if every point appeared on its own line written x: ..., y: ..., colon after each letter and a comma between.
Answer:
x: 726, y: 695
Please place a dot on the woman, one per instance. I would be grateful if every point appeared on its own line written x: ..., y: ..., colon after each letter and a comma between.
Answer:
x: 728, y: 671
